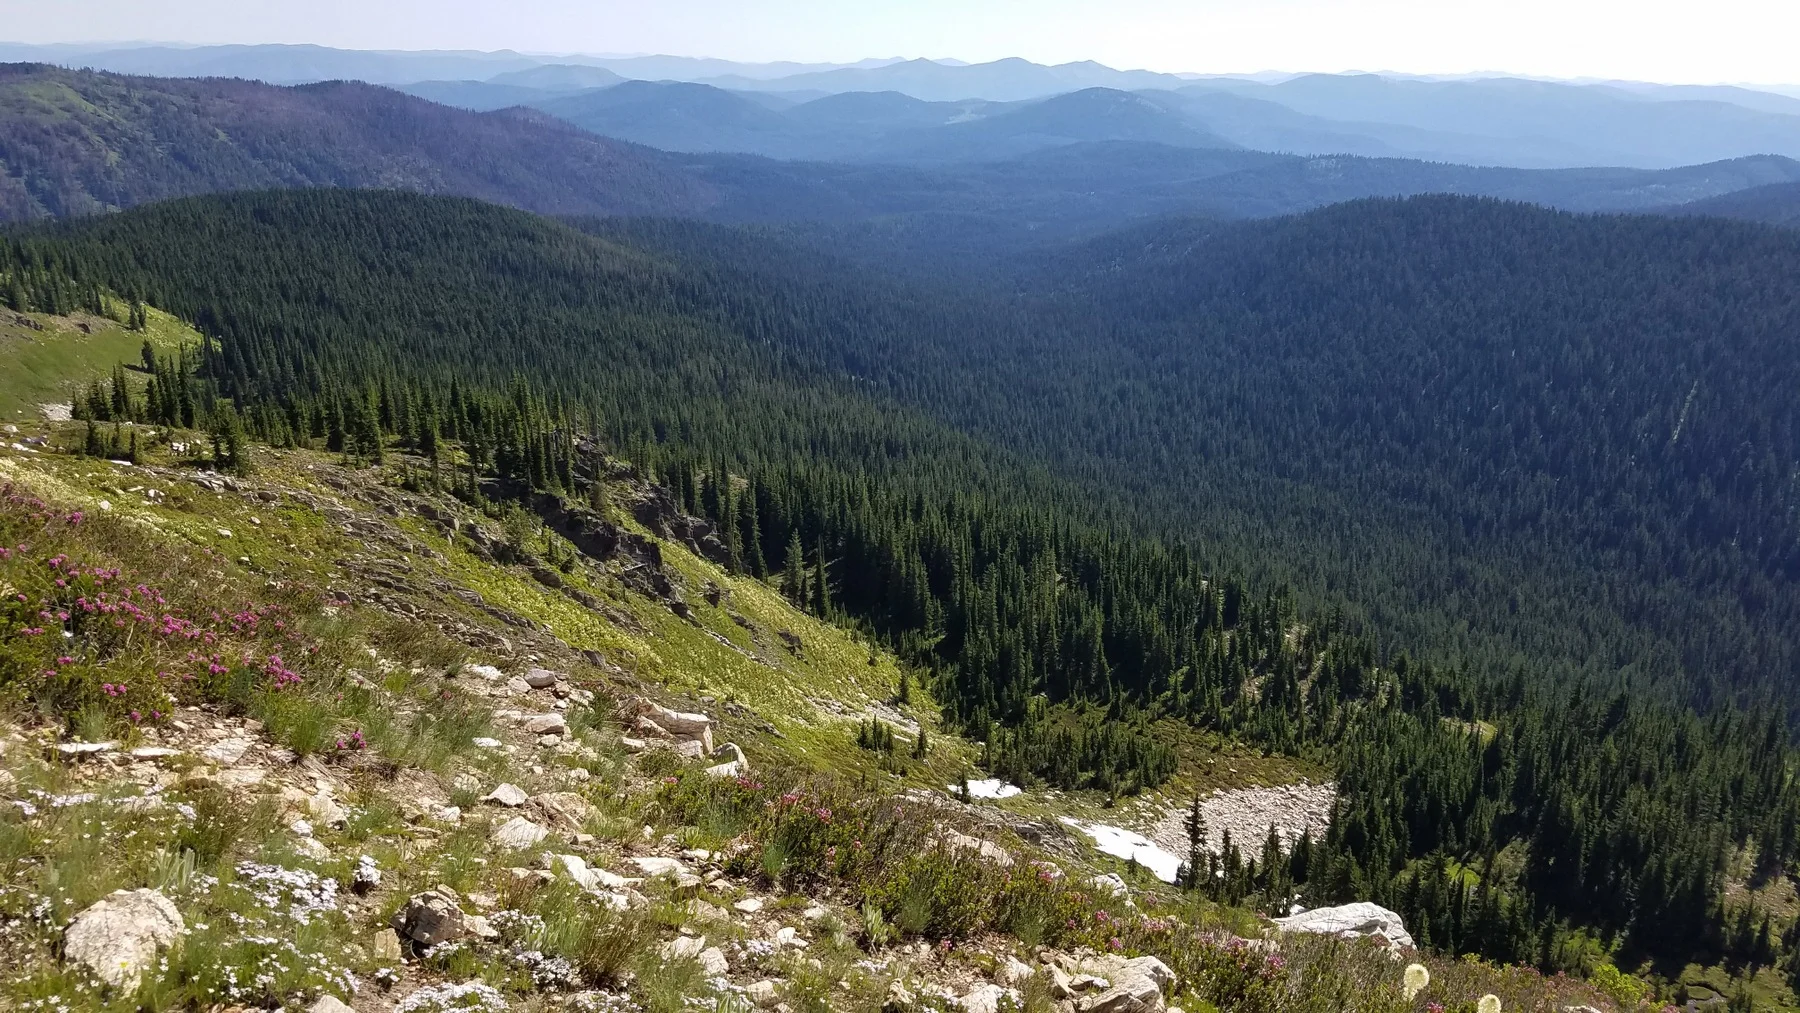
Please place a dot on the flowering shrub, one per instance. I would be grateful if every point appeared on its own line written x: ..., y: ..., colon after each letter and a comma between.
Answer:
x: 1241, y: 976
x: 887, y: 854
x: 83, y: 631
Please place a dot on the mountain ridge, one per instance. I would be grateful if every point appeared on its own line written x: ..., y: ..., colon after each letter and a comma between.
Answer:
x: 82, y: 143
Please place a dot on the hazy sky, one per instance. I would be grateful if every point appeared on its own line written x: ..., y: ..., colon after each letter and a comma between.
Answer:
x: 1696, y: 41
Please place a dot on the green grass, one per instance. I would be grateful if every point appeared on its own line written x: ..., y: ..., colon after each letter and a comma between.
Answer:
x: 49, y: 365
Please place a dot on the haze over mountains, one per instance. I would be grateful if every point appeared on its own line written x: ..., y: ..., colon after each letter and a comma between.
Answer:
x: 766, y: 108
x: 981, y: 173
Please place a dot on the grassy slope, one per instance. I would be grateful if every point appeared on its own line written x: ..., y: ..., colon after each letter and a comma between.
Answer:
x: 50, y: 362
x: 380, y: 606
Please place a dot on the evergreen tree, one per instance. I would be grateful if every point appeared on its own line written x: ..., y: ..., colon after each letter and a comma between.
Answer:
x: 1194, y: 871
x: 821, y: 585
x: 794, y: 579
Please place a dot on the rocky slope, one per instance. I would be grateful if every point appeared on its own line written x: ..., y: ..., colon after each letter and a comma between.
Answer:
x: 320, y: 737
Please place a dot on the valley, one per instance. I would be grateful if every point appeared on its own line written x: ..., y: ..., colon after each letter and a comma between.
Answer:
x: 481, y: 531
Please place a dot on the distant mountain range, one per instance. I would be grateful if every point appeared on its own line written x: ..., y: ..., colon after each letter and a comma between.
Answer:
x: 875, y: 126
x: 79, y: 142
x: 1496, y: 121
x: 287, y: 64
x: 1528, y: 124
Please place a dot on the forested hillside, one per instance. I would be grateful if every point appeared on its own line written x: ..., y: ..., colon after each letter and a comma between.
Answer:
x: 1421, y: 407
x: 76, y: 143
x: 1775, y: 204
x: 1416, y: 409
x: 1542, y: 451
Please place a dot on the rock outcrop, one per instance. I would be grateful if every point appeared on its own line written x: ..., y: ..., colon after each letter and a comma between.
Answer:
x: 118, y: 937
x: 1351, y: 921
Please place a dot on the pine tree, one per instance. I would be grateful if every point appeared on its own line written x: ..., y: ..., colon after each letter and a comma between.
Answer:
x: 795, y: 576
x: 1194, y: 870
x: 120, y: 394
x: 821, y: 585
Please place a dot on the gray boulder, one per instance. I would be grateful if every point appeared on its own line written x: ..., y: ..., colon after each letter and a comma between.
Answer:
x: 119, y: 936
x: 1350, y: 921
x: 430, y: 918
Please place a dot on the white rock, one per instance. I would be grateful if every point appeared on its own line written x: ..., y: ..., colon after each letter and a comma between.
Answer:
x: 683, y: 947
x: 484, y: 742
x: 749, y: 905
x: 1089, y: 983
x: 678, y: 723
x: 326, y: 810
x: 986, y: 849
x: 488, y: 672
x: 541, y: 678
x: 329, y: 1004
x: 986, y: 999
x: 735, y: 763
x: 226, y: 752
x: 1149, y: 967
x: 591, y: 879
x: 1130, y: 995
x: 508, y: 795
x: 239, y: 777
x: 119, y: 936
x: 713, y: 962
x: 1351, y: 921
x: 1013, y: 972
x: 762, y: 993
x: 656, y: 865
x: 76, y: 750
x: 518, y: 832
x: 481, y: 928
x: 545, y: 724
x: 313, y: 848
x: 154, y: 753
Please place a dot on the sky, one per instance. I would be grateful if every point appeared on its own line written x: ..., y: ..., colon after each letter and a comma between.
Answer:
x: 1675, y: 41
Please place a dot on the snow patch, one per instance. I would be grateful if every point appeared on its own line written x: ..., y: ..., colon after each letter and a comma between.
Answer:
x: 1135, y: 847
x: 991, y: 787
